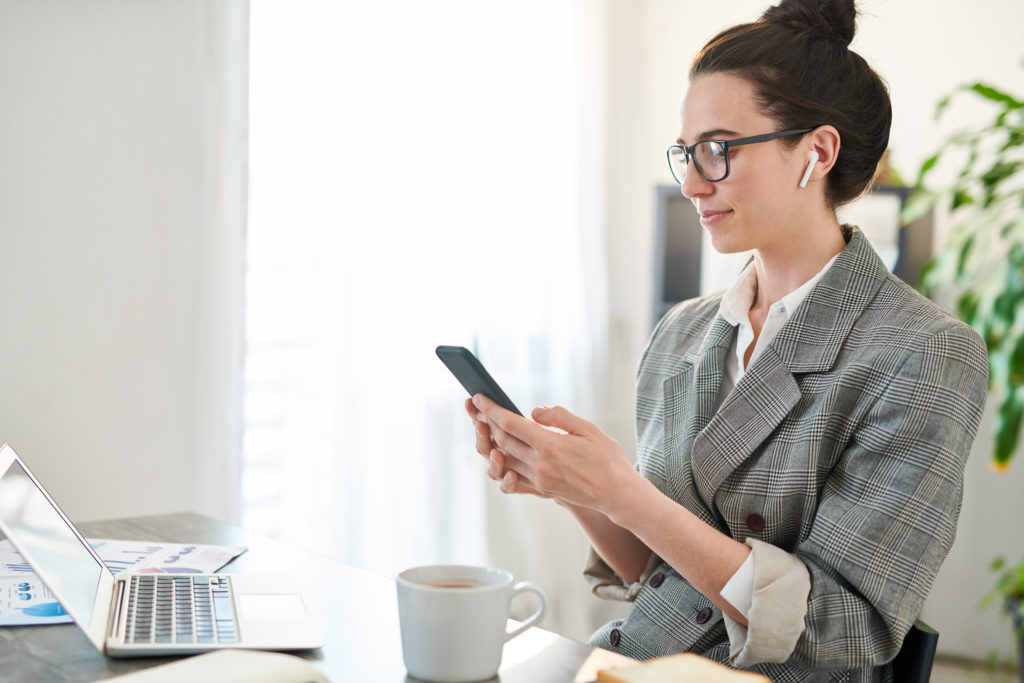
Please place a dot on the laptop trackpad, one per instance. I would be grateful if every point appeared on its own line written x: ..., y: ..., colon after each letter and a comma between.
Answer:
x: 263, y: 607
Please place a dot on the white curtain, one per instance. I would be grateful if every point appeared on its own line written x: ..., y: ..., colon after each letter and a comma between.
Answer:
x: 421, y: 174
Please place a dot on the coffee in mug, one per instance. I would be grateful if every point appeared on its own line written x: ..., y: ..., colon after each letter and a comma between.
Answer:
x: 454, y: 582
x: 453, y: 620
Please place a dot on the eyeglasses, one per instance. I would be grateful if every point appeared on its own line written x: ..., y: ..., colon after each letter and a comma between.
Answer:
x: 711, y: 157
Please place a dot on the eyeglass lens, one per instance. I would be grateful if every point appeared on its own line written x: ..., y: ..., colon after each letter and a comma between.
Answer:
x: 709, y: 156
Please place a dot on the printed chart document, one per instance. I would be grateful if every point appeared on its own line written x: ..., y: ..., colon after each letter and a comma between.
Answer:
x: 24, y: 600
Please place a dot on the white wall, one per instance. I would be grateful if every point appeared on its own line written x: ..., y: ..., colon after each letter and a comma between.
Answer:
x: 120, y: 266
x: 923, y: 48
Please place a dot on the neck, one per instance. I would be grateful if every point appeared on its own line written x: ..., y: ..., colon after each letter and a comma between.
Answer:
x: 784, y: 269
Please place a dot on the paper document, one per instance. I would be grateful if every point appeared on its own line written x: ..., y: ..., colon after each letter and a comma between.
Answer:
x: 231, y: 666
x: 24, y: 600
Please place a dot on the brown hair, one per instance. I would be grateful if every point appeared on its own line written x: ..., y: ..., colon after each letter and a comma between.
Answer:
x: 798, y: 58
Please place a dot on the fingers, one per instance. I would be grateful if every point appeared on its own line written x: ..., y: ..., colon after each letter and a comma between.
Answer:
x: 487, y: 445
x: 483, y: 438
x: 522, y: 430
x: 496, y: 465
x: 499, y: 465
x: 560, y: 418
x: 503, y: 463
x: 508, y: 479
x: 513, y: 482
x: 484, y: 442
x: 507, y: 439
x: 511, y: 475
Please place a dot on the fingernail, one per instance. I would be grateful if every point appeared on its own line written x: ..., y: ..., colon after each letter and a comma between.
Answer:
x: 476, y: 400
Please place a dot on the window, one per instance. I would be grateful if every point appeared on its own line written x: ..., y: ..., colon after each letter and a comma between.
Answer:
x: 416, y: 179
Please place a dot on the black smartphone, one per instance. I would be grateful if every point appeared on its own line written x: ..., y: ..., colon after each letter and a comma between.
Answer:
x: 472, y: 375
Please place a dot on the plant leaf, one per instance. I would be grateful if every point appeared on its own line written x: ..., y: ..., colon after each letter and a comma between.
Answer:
x: 924, y: 277
x: 1008, y: 419
x: 967, y: 306
x: 964, y: 254
x: 1000, y: 171
x: 928, y: 165
x: 988, y: 92
x: 1017, y: 362
x: 960, y: 198
x: 917, y: 206
x: 1015, y: 138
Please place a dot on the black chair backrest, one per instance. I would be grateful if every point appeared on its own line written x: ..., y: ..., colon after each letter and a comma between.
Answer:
x: 913, y: 664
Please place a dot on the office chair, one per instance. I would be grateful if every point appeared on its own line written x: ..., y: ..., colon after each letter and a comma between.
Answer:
x: 913, y: 664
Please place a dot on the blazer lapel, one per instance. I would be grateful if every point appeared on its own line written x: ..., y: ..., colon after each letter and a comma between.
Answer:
x: 690, y: 397
x: 754, y: 408
x: 809, y: 342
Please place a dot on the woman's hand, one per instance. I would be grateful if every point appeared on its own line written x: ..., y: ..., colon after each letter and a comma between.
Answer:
x: 496, y: 469
x: 586, y: 471
x: 578, y: 465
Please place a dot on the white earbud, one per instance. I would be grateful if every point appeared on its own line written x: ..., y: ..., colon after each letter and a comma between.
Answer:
x: 810, y: 167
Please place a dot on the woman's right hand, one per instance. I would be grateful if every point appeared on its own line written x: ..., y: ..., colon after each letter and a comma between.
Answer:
x: 509, y: 481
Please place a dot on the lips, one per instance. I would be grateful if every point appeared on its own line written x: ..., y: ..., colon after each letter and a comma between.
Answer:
x: 710, y: 217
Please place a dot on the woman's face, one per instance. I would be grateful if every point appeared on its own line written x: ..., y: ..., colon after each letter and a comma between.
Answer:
x: 759, y: 204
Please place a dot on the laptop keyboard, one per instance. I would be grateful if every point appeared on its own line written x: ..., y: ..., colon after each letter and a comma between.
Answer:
x: 180, y: 609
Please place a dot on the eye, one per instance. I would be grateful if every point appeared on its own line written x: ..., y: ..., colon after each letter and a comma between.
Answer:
x: 715, y: 149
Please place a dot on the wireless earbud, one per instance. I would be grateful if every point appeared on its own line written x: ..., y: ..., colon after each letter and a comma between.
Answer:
x: 810, y: 167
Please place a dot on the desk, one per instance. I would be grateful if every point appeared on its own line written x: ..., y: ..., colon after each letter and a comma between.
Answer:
x: 358, y: 612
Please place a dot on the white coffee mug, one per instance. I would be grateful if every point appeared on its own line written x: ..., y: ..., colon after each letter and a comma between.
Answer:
x: 453, y: 620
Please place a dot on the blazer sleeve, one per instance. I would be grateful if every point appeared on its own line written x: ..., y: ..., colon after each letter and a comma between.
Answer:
x: 888, y: 511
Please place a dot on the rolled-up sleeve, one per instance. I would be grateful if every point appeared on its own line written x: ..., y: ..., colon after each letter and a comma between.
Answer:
x: 778, y: 606
x: 605, y: 583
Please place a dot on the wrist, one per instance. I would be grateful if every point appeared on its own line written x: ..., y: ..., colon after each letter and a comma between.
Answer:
x: 630, y: 494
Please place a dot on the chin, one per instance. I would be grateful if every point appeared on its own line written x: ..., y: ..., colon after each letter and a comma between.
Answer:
x: 725, y: 244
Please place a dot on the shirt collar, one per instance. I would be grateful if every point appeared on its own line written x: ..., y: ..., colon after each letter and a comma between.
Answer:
x: 737, y: 300
x: 736, y: 303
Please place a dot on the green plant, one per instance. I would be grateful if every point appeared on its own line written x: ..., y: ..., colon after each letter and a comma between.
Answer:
x: 983, y: 258
x: 1009, y: 590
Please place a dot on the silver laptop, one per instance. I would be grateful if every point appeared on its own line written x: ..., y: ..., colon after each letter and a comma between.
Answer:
x: 146, y: 614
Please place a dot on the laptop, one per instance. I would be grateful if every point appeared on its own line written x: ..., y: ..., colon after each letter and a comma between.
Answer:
x: 135, y: 615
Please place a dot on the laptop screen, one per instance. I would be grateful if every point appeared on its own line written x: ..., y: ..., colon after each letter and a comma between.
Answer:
x: 66, y: 565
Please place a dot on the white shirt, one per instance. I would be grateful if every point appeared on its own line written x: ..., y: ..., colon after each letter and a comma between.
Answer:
x: 735, y: 309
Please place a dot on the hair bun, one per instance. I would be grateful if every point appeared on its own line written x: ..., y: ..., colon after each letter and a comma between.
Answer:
x: 834, y: 18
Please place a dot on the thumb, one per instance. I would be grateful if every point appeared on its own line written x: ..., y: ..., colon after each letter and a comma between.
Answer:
x: 560, y: 418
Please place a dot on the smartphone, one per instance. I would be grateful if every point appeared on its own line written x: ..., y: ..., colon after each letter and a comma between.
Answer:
x: 471, y: 373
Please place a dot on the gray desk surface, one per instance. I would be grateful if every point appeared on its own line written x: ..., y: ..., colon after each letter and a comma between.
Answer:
x: 358, y: 611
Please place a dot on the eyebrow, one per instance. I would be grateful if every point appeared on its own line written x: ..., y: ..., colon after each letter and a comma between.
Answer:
x: 709, y: 134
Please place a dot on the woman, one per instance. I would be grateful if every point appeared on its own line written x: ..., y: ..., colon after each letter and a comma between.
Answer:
x: 801, y: 436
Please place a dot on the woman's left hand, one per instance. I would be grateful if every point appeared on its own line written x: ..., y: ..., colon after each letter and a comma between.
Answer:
x: 581, y: 466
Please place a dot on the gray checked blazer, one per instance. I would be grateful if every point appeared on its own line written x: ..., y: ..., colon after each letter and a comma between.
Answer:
x: 844, y: 444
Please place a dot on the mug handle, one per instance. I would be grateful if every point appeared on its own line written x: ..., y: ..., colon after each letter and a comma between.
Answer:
x: 523, y: 587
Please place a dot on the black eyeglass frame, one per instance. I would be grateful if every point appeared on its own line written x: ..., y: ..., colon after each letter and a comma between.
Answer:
x: 726, y: 144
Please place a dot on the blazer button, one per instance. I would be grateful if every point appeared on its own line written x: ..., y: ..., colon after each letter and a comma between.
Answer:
x: 755, y: 522
x: 657, y: 579
x: 615, y: 637
x: 703, y: 615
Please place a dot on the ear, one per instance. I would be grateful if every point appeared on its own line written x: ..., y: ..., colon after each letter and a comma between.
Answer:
x: 823, y: 141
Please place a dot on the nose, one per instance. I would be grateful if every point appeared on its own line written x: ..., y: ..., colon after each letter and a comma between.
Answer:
x: 693, y: 184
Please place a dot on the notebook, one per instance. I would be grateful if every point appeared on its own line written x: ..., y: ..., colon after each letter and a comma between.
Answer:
x: 146, y: 614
